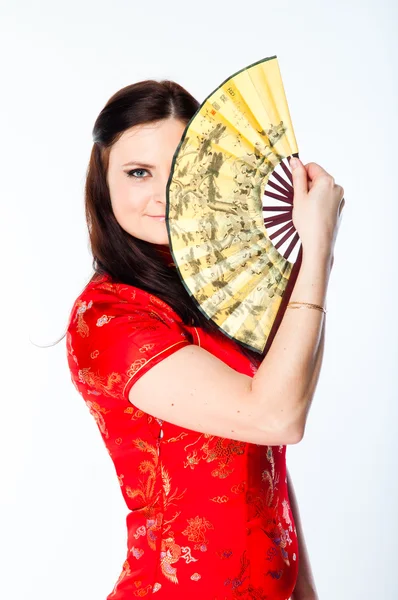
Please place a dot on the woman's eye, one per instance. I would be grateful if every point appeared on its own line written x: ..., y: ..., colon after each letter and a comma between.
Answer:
x: 132, y: 173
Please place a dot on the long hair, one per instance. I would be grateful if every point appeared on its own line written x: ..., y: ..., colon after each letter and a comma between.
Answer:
x: 115, y: 252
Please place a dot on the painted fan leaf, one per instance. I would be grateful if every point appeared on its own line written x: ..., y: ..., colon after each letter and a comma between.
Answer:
x: 223, y: 172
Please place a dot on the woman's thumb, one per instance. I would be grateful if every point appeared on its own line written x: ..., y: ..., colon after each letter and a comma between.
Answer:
x: 299, y: 175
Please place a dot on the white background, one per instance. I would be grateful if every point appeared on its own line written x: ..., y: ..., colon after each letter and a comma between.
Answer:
x: 63, y: 532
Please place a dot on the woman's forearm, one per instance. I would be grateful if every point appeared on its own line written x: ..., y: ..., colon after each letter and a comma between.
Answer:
x: 287, y: 377
x: 318, y: 363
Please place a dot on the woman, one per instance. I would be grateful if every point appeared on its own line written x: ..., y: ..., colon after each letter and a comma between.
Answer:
x: 196, y: 425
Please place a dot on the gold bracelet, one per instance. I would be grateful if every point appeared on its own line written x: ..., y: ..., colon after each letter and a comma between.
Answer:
x: 305, y: 305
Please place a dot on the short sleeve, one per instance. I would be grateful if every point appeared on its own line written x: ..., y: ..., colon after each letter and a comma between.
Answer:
x: 116, y: 333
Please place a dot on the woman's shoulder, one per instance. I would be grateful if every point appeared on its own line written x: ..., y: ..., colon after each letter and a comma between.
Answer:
x: 116, y: 333
x: 107, y: 310
x: 103, y: 291
x: 103, y: 286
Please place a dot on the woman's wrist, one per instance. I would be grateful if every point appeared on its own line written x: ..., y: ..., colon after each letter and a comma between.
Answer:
x: 321, y: 257
x: 313, y: 279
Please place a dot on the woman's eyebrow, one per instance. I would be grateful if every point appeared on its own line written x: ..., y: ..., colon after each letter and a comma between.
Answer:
x: 141, y: 164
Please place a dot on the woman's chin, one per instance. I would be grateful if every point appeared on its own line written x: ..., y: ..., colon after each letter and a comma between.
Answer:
x: 161, y: 240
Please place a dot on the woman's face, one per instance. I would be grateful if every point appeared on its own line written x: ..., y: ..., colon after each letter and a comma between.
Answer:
x: 138, y: 171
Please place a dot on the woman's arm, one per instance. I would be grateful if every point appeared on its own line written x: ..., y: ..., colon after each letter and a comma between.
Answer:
x: 291, y: 366
x: 318, y: 363
x: 269, y: 408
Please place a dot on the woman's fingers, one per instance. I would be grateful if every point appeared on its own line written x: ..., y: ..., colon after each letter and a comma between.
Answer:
x: 314, y: 171
x: 299, y: 174
x: 305, y: 177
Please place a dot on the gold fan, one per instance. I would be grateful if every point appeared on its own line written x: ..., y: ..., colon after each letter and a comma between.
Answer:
x: 229, y: 163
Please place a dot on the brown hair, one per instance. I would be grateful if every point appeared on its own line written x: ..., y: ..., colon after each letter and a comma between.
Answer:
x: 125, y: 258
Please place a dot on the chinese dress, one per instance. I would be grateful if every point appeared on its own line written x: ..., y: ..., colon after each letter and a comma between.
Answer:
x: 208, y: 517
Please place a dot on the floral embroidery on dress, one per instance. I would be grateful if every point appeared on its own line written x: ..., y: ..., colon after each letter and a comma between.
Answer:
x: 104, y: 385
x: 220, y: 499
x: 136, y: 552
x: 82, y: 327
x: 239, y: 488
x: 286, y: 514
x: 135, y: 412
x: 196, y: 532
x: 103, y: 320
x: 213, y: 449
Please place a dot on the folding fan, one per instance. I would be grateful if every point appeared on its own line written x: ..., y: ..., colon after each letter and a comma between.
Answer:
x: 229, y: 197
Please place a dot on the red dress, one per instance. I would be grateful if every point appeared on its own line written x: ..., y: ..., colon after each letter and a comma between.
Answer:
x: 209, y: 517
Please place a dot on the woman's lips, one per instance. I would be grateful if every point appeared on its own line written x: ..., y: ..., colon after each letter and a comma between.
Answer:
x: 157, y: 218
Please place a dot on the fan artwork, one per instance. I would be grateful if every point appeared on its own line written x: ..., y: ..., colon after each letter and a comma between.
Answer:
x: 229, y: 206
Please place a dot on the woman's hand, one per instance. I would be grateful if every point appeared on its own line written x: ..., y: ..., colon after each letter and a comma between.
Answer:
x: 317, y: 208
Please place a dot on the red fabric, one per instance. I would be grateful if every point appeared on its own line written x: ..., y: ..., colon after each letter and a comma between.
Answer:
x: 209, y: 517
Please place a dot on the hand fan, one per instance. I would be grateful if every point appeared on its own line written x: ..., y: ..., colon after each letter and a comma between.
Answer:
x: 229, y: 202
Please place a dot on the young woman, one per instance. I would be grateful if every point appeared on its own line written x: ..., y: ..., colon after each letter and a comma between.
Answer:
x: 196, y: 425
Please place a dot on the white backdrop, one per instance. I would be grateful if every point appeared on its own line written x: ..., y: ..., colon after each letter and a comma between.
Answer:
x: 63, y: 532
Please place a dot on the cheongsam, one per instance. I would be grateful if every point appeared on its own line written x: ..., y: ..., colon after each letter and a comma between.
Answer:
x: 208, y: 517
